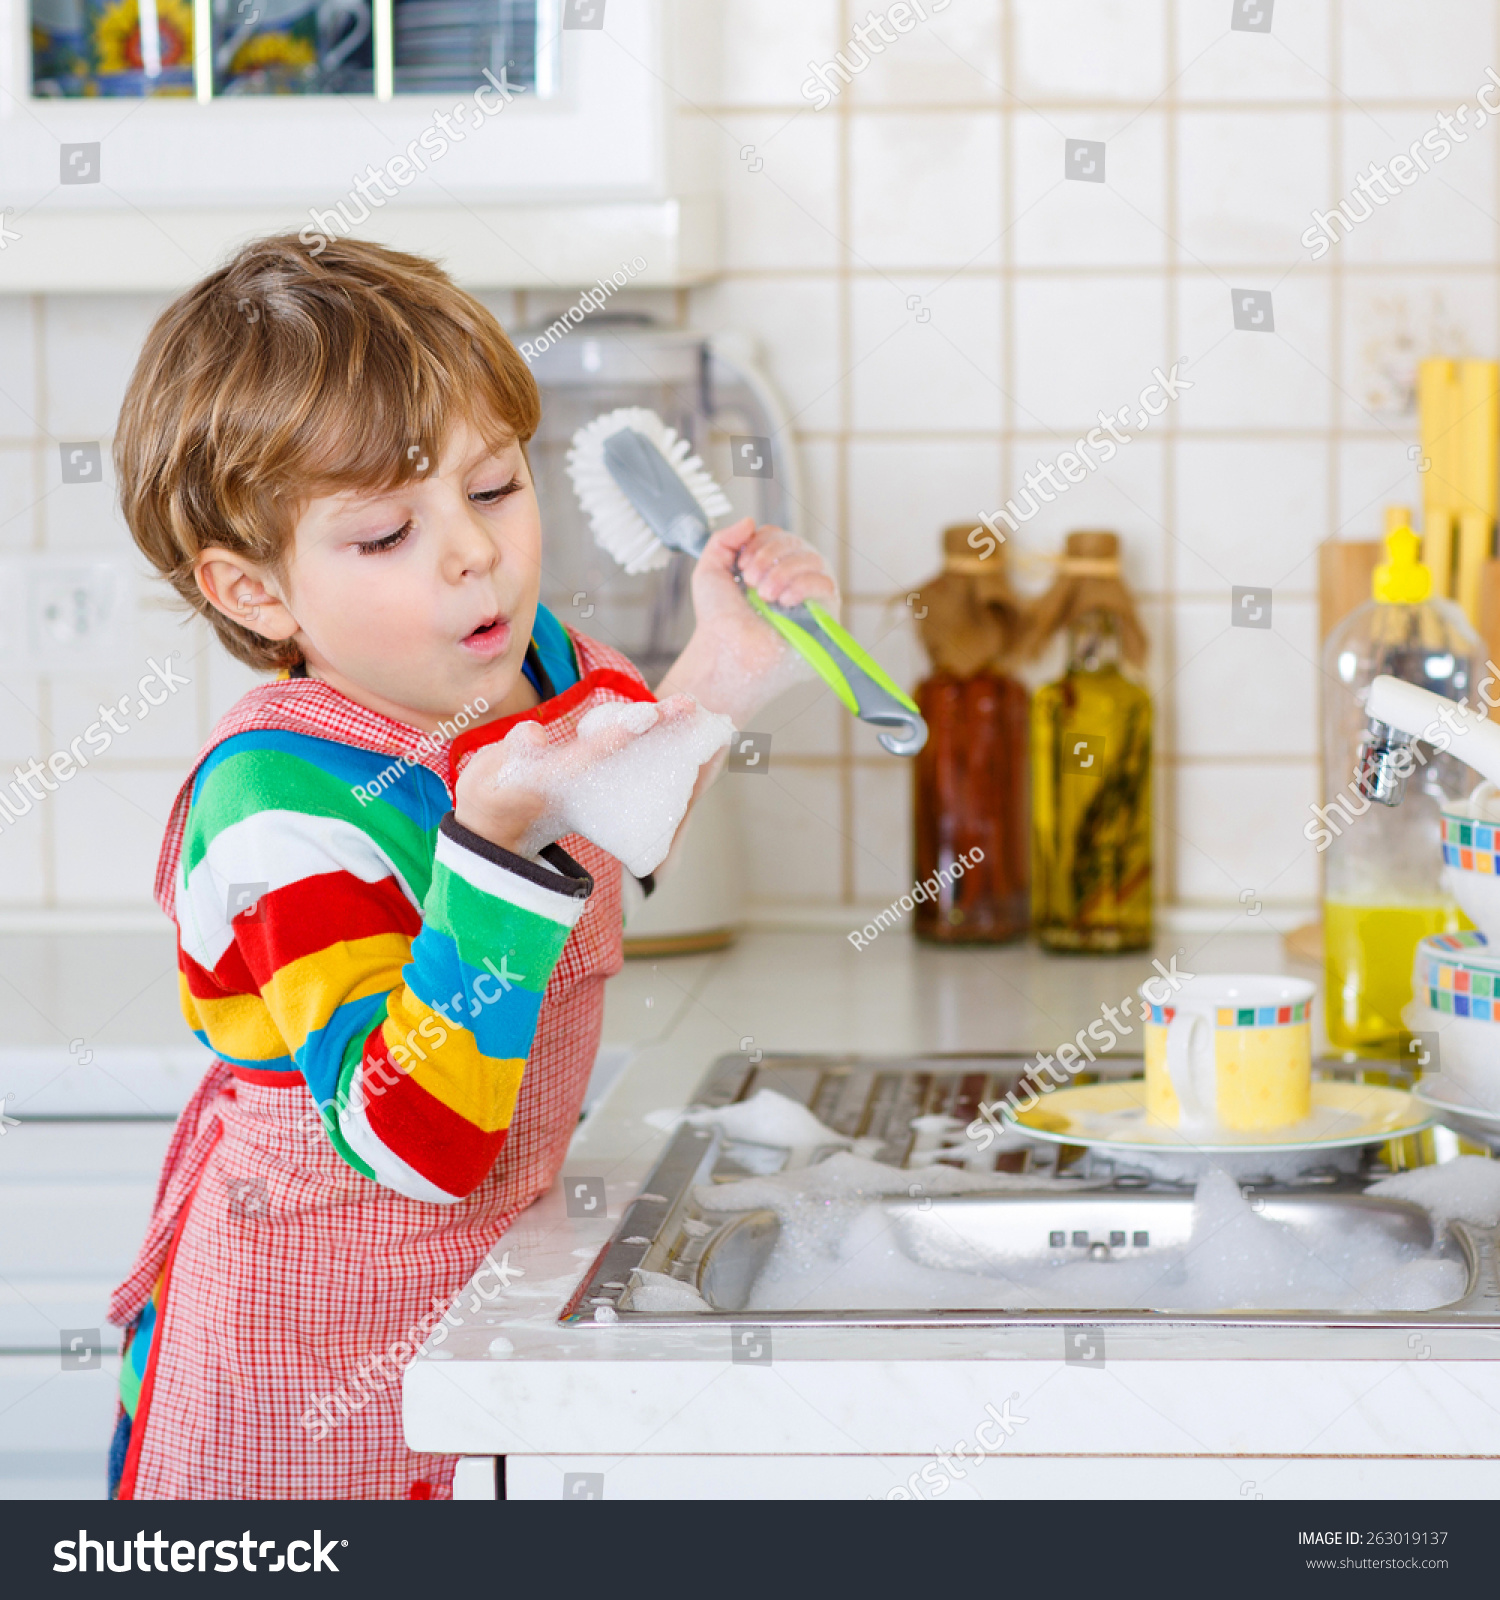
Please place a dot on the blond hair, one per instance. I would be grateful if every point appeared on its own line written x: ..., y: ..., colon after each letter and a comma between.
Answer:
x: 284, y: 375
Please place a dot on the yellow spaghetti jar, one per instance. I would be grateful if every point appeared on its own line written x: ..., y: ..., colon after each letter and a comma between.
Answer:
x: 1382, y: 865
x: 1091, y: 763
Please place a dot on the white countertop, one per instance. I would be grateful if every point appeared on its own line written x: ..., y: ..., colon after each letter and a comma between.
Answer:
x: 510, y: 1381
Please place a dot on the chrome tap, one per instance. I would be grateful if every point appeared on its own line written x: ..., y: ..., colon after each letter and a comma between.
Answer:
x: 1384, y: 762
x: 1402, y: 713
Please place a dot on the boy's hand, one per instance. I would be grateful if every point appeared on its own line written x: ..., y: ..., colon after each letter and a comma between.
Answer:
x: 502, y: 813
x: 785, y: 569
x: 507, y: 801
x: 736, y: 660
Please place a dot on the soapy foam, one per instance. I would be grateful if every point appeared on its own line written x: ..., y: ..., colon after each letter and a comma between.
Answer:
x: 629, y: 802
x: 841, y: 1249
x: 769, y: 1118
x: 817, y: 1204
x: 655, y: 1291
x: 1466, y: 1189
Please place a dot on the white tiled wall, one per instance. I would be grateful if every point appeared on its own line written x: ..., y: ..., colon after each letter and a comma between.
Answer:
x: 91, y: 847
x: 941, y: 308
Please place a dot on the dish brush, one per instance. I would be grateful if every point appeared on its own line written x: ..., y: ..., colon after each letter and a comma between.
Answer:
x: 646, y: 494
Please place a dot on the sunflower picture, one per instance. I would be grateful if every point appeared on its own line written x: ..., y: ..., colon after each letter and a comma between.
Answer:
x: 269, y: 51
x: 117, y: 36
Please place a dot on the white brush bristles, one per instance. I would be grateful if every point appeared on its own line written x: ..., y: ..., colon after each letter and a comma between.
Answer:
x: 618, y: 527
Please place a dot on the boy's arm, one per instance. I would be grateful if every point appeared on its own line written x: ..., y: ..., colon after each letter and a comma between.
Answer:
x: 411, y: 1023
x: 736, y: 662
x: 425, y: 1099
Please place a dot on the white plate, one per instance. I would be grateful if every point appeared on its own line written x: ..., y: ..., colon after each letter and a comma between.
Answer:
x: 1450, y: 1104
x: 1113, y: 1115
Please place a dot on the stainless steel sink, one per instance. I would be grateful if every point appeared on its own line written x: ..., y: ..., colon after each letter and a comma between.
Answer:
x: 988, y: 1235
x: 672, y: 1227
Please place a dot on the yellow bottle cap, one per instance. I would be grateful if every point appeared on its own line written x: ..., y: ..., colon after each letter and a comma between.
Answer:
x: 1402, y: 579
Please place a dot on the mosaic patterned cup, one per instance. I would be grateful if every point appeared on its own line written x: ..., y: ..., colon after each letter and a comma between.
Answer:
x: 1229, y: 1050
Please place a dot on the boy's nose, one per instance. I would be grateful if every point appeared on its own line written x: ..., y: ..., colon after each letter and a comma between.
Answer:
x: 470, y: 551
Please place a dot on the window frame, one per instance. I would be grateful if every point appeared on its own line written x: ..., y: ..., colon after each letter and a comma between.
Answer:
x: 549, y: 14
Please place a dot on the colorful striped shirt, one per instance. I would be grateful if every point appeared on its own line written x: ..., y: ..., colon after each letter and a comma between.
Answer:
x: 354, y: 933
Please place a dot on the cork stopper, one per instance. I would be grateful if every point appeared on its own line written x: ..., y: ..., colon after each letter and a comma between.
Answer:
x: 974, y: 619
x: 1091, y: 554
x: 1088, y: 579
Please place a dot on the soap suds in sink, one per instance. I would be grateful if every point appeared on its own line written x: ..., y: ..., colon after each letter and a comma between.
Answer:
x: 844, y: 1246
x: 1466, y: 1189
x: 768, y: 1118
x: 656, y: 1291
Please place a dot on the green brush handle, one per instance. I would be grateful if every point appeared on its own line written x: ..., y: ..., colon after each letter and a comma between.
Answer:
x: 656, y: 490
x: 850, y: 671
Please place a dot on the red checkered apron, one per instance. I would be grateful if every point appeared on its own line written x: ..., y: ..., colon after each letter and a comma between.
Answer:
x: 286, y: 1268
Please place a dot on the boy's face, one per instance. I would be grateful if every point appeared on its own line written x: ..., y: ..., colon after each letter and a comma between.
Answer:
x: 420, y: 601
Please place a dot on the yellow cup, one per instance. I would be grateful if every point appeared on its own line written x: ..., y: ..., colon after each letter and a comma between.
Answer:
x: 1228, y: 1050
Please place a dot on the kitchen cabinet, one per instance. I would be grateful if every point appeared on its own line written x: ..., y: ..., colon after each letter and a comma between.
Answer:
x: 80, y: 1157
x: 75, y: 1195
x: 552, y: 187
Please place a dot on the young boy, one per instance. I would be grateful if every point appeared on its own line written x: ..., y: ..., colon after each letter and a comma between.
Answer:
x: 325, y: 456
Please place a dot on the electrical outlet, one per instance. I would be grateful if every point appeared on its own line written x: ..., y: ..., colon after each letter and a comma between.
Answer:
x: 76, y: 611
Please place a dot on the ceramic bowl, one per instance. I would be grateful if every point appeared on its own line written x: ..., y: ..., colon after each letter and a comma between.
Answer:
x: 1471, y: 860
x: 1456, y: 996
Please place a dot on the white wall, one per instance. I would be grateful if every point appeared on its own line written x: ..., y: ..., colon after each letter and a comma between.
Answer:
x: 938, y: 174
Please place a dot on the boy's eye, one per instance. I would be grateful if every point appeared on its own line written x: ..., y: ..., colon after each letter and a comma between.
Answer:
x: 488, y: 497
x: 374, y: 546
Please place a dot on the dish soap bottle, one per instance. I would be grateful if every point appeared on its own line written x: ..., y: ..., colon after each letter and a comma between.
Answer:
x: 969, y: 780
x: 1091, y: 762
x: 1382, y: 888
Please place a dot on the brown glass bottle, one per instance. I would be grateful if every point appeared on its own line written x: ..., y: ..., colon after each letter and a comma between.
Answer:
x: 970, y: 796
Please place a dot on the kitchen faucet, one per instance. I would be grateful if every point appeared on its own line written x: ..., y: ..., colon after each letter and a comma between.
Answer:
x: 1400, y: 713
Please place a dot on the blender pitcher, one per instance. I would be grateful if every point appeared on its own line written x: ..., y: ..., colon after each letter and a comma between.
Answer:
x: 708, y: 389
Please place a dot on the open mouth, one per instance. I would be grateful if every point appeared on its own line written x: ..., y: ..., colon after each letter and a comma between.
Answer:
x: 489, y: 638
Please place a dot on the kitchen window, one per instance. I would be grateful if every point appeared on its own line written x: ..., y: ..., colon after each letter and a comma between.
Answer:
x: 574, y: 170
x: 218, y: 49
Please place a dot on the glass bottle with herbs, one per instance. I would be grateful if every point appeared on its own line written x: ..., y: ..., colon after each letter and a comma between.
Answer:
x: 970, y: 777
x: 1091, y: 761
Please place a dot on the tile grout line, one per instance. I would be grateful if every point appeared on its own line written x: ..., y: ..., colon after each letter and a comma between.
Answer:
x: 866, y: 762
x: 1064, y: 433
x: 1164, y: 822
x: 41, y: 396
x: 1216, y: 106
x: 846, y: 420
x: 1205, y: 267
x: 1007, y: 441
x: 1333, y: 492
x: 205, y: 705
x: 37, y: 443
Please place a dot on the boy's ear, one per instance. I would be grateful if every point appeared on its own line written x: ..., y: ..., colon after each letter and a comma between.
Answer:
x: 236, y: 587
